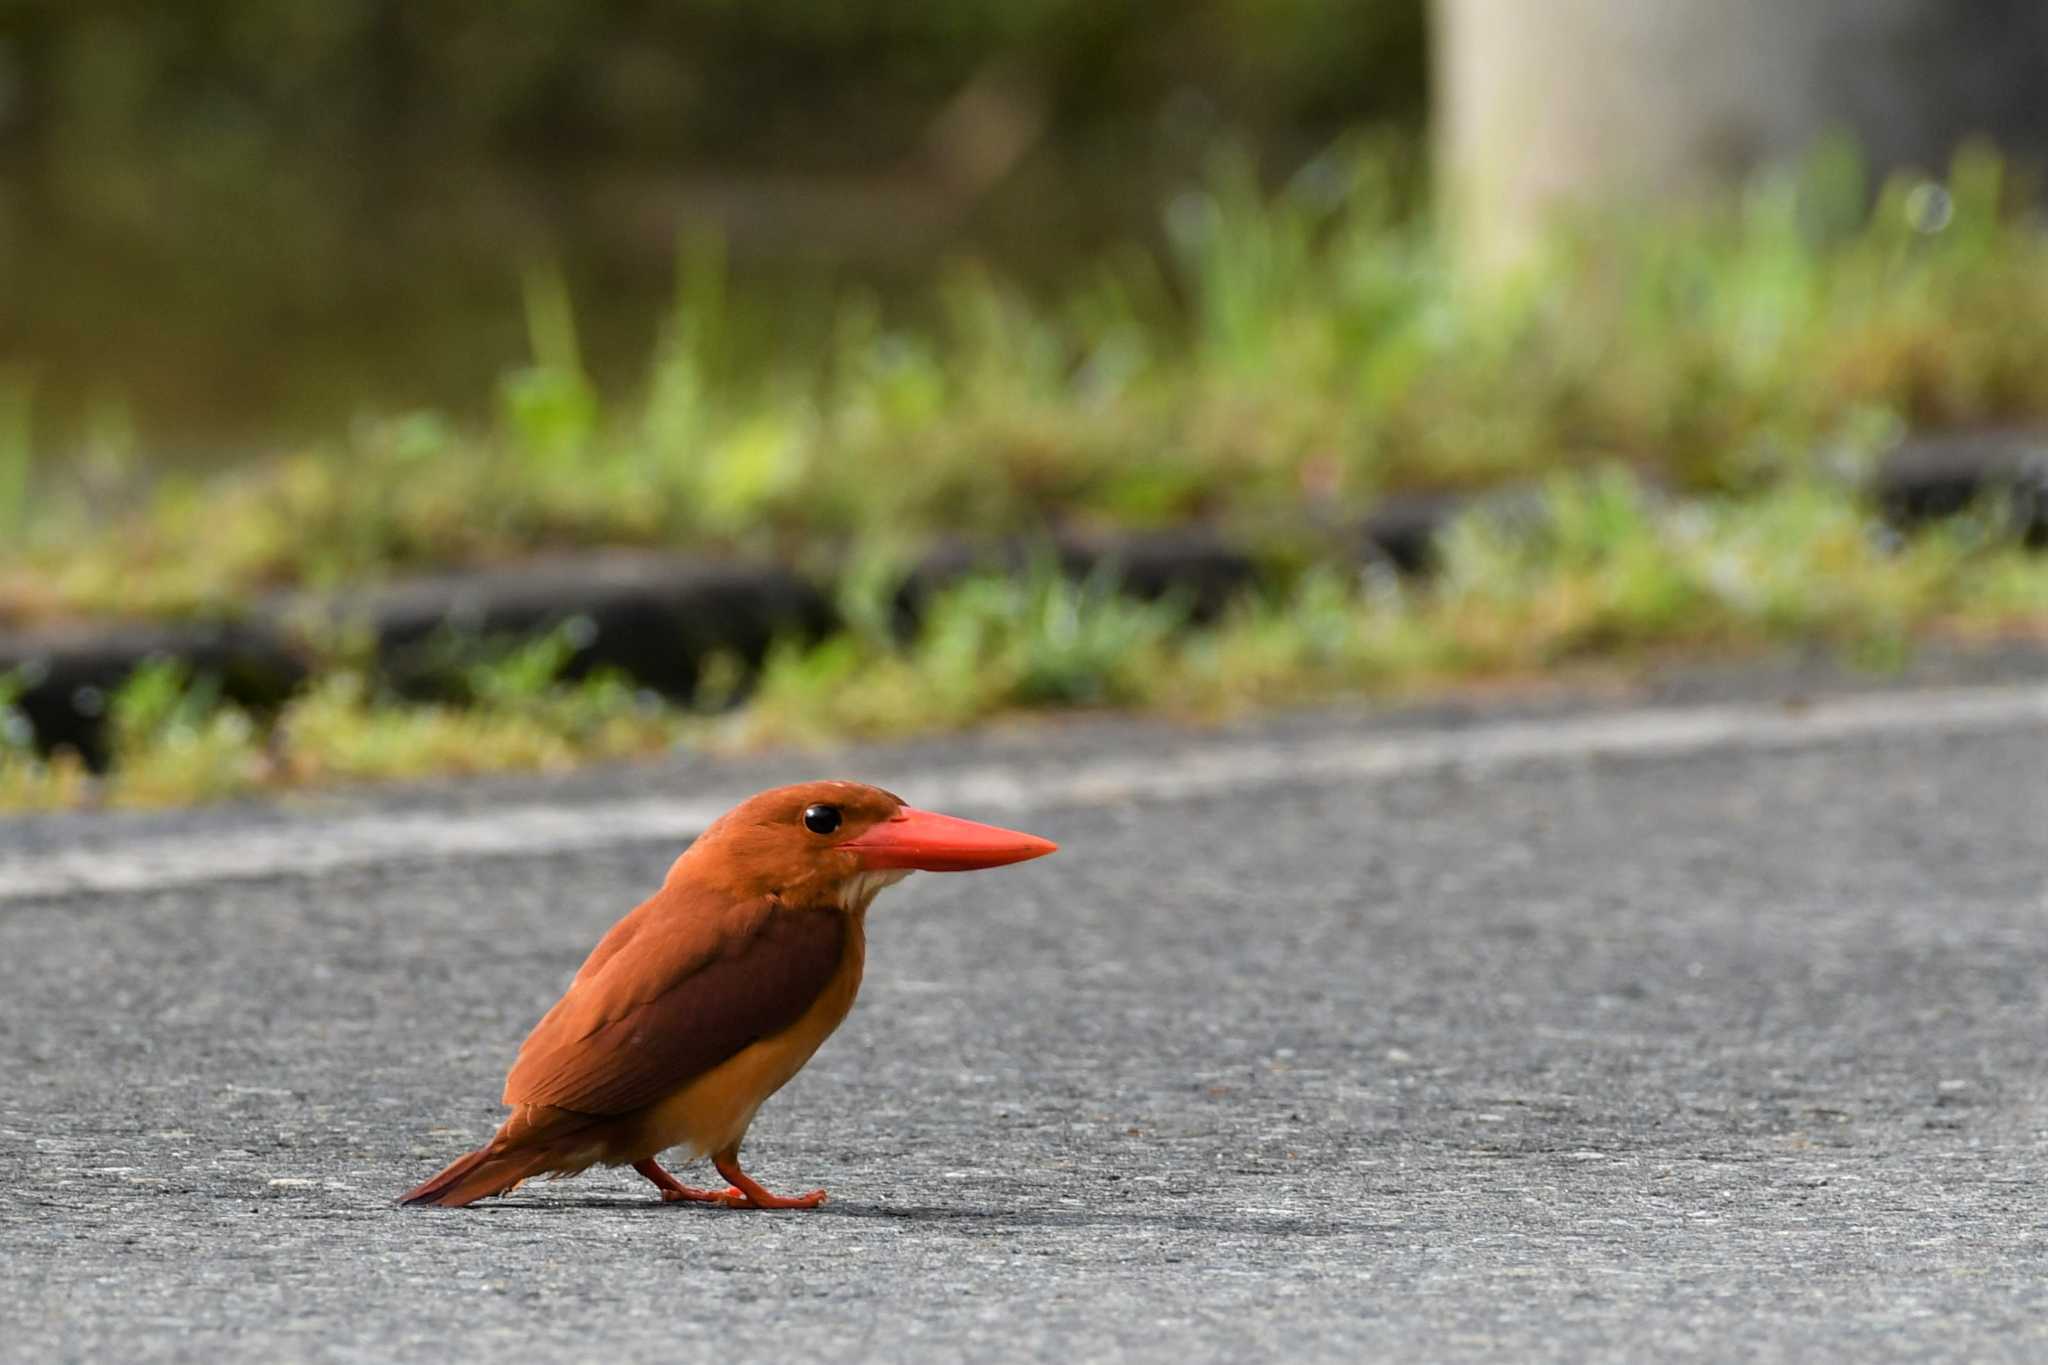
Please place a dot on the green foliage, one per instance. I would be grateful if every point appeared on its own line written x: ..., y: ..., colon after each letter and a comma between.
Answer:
x: 1045, y: 640
x: 16, y: 736
x: 340, y: 730
x: 1302, y: 351
x: 985, y: 646
x: 175, y: 739
x: 1299, y: 352
x: 550, y: 408
x: 528, y: 670
x: 17, y: 453
x: 1595, y: 572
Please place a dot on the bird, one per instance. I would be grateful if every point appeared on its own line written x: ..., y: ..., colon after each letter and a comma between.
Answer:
x: 713, y: 993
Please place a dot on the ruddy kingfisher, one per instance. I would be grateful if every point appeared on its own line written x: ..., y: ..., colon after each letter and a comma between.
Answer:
x: 710, y: 995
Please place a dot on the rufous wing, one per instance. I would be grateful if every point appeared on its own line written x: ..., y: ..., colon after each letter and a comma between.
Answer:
x: 677, y: 987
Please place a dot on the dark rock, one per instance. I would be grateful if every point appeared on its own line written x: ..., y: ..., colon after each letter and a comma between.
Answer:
x: 70, y: 673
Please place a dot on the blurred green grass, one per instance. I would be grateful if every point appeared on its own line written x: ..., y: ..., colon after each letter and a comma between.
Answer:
x: 1306, y: 350
x: 1693, y: 395
x: 1601, y: 572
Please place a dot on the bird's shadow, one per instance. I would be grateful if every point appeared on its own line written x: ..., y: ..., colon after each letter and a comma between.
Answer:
x: 980, y: 1218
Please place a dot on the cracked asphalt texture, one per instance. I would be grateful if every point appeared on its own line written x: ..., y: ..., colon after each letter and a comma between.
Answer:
x: 1735, y: 1055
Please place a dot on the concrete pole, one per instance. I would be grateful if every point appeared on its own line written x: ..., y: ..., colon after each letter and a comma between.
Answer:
x: 1541, y: 104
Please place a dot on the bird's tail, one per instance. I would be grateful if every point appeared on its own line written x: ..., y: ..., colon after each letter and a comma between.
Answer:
x: 491, y: 1169
x: 536, y: 1140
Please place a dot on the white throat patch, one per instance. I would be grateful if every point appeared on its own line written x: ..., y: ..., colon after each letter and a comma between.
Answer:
x: 863, y: 887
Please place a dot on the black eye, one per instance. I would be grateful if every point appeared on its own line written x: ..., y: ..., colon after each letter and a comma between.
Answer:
x: 821, y: 819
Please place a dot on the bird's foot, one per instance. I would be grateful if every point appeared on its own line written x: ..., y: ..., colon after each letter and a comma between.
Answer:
x: 743, y: 1193
x: 746, y: 1193
x: 761, y: 1199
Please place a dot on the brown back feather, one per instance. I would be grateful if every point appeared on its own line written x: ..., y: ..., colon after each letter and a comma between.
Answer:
x: 678, y: 986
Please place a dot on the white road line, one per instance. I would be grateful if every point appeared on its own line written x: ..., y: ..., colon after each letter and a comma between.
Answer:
x: 1206, y: 766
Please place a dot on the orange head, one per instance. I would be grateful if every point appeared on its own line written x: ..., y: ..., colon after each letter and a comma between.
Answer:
x: 838, y: 843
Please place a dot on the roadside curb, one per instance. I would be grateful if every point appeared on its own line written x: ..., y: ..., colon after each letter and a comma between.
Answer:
x: 1936, y: 476
x: 660, y: 618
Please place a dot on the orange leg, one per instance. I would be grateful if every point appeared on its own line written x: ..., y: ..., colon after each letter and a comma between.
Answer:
x: 745, y: 1194
x: 673, y: 1191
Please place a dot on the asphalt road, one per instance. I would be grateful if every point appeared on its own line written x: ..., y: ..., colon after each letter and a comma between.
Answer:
x: 1712, y: 1048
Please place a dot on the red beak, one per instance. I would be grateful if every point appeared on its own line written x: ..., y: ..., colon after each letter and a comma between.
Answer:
x: 925, y: 842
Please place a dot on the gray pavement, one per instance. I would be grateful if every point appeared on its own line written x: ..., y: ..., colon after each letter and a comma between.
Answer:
x: 1729, y: 1052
